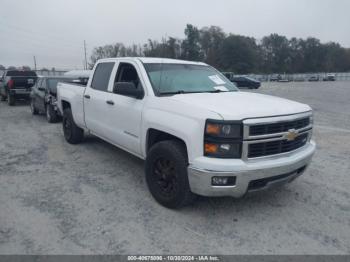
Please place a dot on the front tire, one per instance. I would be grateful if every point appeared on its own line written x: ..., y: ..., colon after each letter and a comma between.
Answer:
x: 51, y: 114
x: 72, y: 133
x: 11, y: 99
x: 2, y: 98
x: 166, y: 174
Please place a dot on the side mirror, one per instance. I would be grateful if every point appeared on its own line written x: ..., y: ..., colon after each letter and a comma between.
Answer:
x: 41, y: 89
x: 128, y: 89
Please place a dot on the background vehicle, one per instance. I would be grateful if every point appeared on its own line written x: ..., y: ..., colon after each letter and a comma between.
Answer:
x: 197, y: 132
x: 299, y: 79
x: 275, y: 78
x: 244, y: 81
x: 16, y: 84
x: 329, y: 77
x: 44, y: 93
x: 314, y: 78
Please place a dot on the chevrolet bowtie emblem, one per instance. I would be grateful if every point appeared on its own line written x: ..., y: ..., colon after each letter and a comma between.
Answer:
x: 291, y: 135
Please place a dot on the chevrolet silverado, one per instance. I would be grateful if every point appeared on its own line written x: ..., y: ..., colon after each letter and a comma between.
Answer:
x: 198, y: 134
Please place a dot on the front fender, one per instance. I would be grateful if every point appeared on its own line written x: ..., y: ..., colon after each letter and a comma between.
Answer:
x: 184, y: 127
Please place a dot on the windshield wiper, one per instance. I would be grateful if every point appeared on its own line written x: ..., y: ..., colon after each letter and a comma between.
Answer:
x: 216, y: 91
x: 177, y: 92
x: 193, y: 92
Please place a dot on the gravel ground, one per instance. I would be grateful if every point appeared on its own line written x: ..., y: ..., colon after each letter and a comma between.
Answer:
x: 56, y: 198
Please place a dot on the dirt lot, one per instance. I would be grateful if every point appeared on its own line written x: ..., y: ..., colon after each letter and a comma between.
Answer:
x: 56, y: 198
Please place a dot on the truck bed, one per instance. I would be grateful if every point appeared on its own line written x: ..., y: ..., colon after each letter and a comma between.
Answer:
x: 74, y: 93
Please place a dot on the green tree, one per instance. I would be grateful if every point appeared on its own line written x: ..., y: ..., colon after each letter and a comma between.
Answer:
x: 211, y: 39
x: 276, y: 53
x: 239, y: 54
x: 191, y: 45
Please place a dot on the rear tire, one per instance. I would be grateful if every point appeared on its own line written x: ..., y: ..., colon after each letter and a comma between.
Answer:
x: 72, y: 133
x: 166, y: 174
x: 11, y: 100
x: 32, y: 108
x: 51, y: 114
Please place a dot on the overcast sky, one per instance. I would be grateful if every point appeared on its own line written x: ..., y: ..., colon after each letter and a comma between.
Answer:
x: 54, y: 30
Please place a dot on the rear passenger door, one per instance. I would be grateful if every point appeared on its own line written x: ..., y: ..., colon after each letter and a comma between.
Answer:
x: 95, y: 97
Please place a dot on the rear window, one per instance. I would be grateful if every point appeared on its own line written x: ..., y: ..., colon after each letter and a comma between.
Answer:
x: 21, y: 73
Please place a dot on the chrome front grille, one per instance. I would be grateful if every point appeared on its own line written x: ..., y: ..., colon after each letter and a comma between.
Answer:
x: 276, y: 147
x: 268, y: 137
x: 274, y: 128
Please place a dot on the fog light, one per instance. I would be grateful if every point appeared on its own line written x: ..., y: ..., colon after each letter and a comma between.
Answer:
x: 223, y: 181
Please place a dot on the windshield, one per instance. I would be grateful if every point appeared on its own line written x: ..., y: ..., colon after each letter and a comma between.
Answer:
x: 186, y: 78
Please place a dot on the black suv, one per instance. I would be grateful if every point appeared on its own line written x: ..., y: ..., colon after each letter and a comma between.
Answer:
x: 43, y: 98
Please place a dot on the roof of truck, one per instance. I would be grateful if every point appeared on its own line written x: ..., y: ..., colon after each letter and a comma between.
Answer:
x: 155, y: 60
x: 78, y: 73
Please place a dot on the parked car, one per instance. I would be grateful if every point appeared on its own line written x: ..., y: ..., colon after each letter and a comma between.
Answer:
x: 244, y: 81
x: 329, y: 77
x: 283, y: 80
x: 314, y: 78
x: 228, y: 75
x: 275, y: 78
x: 196, y: 131
x: 44, y: 95
x: 16, y: 84
x: 299, y: 79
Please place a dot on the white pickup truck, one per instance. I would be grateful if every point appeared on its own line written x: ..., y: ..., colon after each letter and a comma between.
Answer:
x: 197, y: 132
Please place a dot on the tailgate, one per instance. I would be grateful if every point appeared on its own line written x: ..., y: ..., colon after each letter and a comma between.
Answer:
x: 24, y: 82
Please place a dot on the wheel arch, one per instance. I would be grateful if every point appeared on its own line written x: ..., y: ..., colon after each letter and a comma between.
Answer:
x: 155, y: 136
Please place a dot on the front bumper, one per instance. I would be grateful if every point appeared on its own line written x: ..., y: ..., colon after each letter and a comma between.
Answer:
x: 250, y: 175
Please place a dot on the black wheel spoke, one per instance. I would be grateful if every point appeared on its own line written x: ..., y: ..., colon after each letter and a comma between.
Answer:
x: 165, y: 177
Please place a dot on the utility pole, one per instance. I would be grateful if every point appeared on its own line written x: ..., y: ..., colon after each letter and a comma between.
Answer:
x: 86, y: 66
x: 34, y: 62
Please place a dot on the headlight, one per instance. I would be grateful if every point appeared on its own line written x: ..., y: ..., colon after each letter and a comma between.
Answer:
x: 223, y: 139
x: 222, y: 129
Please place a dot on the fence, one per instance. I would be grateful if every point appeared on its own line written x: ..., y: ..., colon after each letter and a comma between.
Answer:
x: 301, y: 77
x: 50, y: 72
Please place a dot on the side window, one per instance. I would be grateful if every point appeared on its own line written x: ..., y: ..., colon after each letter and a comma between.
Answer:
x: 101, y: 76
x: 128, y: 73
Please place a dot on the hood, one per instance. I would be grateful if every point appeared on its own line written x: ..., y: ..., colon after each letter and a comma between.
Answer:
x: 242, y: 105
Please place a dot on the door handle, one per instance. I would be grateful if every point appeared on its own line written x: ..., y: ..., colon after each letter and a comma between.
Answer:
x: 110, y: 102
x: 87, y: 96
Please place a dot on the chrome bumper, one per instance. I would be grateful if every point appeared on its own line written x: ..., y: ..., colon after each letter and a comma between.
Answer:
x: 281, y: 170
